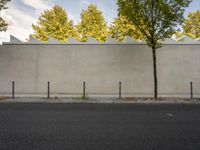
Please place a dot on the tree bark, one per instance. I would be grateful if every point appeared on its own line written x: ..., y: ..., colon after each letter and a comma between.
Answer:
x: 155, y: 73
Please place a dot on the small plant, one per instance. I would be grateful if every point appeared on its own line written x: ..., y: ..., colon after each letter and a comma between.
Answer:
x: 86, y: 97
x: 82, y: 97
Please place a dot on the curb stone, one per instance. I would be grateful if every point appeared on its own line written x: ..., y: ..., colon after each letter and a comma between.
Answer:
x: 101, y: 100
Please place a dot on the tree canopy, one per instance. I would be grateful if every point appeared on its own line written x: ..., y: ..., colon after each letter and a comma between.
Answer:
x: 3, y: 24
x: 55, y: 23
x: 191, y: 26
x: 121, y: 27
x: 92, y: 24
x: 156, y: 20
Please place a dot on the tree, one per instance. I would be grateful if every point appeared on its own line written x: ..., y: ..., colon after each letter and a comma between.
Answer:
x: 156, y: 20
x: 191, y: 26
x: 54, y: 23
x: 92, y: 24
x: 121, y: 27
x: 3, y: 24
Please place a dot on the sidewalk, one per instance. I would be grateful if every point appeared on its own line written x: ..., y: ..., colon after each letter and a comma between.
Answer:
x: 103, y: 100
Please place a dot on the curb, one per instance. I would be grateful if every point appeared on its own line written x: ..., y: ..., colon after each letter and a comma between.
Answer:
x: 99, y: 101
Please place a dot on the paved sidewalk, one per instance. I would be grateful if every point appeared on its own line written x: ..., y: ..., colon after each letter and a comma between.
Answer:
x: 103, y: 100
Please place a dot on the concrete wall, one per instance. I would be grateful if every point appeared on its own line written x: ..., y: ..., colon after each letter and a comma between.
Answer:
x: 101, y: 67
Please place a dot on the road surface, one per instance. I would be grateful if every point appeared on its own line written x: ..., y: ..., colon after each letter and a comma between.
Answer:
x: 99, y: 126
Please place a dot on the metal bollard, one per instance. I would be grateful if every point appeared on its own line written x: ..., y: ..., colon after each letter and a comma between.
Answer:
x: 191, y: 90
x: 120, y: 90
x: 13, y: 89
x: 48, y: 89
x: 84, y: 90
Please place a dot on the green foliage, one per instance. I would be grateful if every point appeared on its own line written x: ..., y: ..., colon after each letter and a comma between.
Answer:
x: 3, y: 24
x: 155, y: 19
x: 86, y: 97
x: 179, y: 34
x: 191, y: 26
x: 92, y: 24
x: 54, y: 23
x: 122, y: 27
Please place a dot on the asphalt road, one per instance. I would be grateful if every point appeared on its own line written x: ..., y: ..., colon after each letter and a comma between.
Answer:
x: 99, y: 127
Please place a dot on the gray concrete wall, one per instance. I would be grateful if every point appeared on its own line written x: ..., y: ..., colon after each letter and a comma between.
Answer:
x: 101, y: 67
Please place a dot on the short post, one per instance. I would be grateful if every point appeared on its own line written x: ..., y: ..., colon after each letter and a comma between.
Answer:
x: 84, y: 90
x: 120, y: 90
x: 48, y: 89
x: 191, y: 90
x: 13, y: 89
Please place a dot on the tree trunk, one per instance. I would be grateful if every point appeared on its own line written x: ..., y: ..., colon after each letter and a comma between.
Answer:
x: 155, y: 73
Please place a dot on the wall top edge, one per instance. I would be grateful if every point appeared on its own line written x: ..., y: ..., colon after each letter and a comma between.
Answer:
x: 91, y: 41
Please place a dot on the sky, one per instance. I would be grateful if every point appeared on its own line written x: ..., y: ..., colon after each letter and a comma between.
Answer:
x: 21, y: 14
